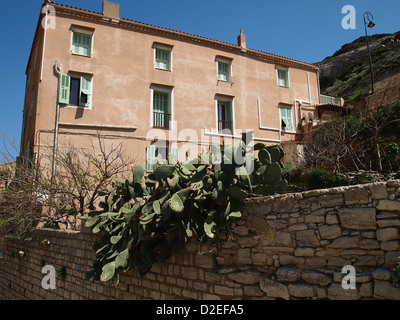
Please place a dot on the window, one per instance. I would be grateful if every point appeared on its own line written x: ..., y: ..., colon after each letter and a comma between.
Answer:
x: 225, y: 119
x: 153, y: 151
x: 75, y: 90
x: 283, y: 77
x: 223, y: 71
x: 162, y: 59
x: 82, y: 43
x: 161, y: 112
x: 224, y: 67
x: 286, y: 118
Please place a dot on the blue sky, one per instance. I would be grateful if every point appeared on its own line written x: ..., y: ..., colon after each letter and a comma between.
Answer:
x: 307, y: 30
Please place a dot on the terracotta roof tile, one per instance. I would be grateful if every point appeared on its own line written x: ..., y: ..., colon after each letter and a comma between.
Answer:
x: 188, y: 35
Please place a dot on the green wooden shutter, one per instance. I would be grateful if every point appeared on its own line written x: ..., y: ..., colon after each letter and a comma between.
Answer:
x: 162, y: 59
x: 283, y: 78
x: 286, y: 116
x: 175, y: 153
x: 150, y: 158
x: 64, y: 88
x: 223, y: 71
x: 85, y: 91
x: 160, y: 107
x: 81, y: 43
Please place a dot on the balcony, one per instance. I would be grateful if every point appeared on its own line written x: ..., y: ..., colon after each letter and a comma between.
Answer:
x: 224, y: 125
x: 331, y: 100
x: 161, y: 119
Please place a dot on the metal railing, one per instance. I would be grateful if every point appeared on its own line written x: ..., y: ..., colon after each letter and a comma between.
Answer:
x: 161, y: 119
x: 224, y: 125
x: 331, y: 100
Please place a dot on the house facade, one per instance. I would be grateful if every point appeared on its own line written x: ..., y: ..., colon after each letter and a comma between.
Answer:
x: 159, y: 91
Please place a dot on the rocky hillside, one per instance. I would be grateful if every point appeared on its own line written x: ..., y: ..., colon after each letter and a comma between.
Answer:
x: 346, y: 73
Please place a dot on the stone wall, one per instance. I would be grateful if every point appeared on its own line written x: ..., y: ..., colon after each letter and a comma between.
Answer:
x: 291, y: 246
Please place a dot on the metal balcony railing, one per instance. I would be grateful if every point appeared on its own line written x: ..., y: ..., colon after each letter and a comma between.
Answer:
x: 161, y: 119
x: 224, y: 125
x: 330, y: 100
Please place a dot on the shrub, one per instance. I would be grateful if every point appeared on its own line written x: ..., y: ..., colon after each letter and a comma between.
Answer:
x: 394, y: 279
x: 320, y: 178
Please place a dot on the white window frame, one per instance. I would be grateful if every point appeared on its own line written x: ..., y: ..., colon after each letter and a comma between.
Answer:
x: 82, y: 31
x: 287, y: 77
x: 229, y: 63
x: 231, y: 100
x: 165, y: 48
x: 170, y: 92
x: 280, y: 107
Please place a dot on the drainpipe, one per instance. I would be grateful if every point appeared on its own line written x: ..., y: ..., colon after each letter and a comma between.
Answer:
x: 57, y: 69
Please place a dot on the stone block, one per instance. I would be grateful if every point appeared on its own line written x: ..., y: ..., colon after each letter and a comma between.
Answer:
x: 388, y: 205
x: 387, y: 234
x: 330, y: 200
x: 259, y: 259
x: 383, y: 290
x: 301, y: 290
x: 204, y: 260
x: 286, y: 274
x: 369, y: 244
x: 378, y: 190
x: 381, y: 274
x: 307, y: 238
x: 274, y: 289
x: 283, y: 238
x: 336, y: 292
x: 357, y: 218
x: 304, y: 252
x: 388, y: 223
x: 253, y: 291
x: 366, y: 290
x: 223, y: 291
x: 244, y: 256
x: 356, y: 196
x: 330, y: 232
x: 245, y: 277
x: 318, y: 278
x: 344, y: 242
x: 289, y: 259
x: 208, y: 296
x: 390, y: 245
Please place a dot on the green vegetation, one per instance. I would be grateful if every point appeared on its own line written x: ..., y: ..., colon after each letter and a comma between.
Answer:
x: 394, y: 278
x: 152, y: 217
x: 355, y: 78
x: 320, y: 178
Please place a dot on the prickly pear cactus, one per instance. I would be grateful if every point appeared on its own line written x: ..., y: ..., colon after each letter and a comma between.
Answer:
x: 151, y: 217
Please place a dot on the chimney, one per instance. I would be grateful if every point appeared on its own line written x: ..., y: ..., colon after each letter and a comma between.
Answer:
x: 111, y: 9
x: 241, y: 40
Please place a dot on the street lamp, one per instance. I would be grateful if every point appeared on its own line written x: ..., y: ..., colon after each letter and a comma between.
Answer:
x: 369, y: 17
